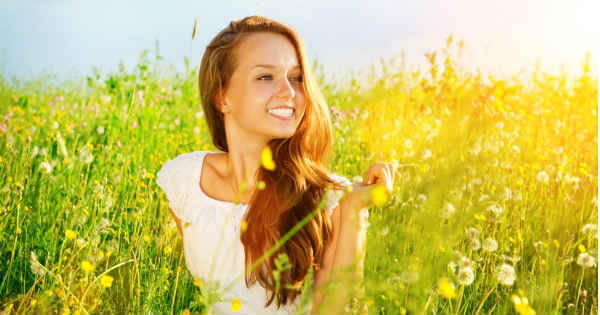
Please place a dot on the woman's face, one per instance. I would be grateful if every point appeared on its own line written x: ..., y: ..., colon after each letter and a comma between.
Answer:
x: 265, y: 94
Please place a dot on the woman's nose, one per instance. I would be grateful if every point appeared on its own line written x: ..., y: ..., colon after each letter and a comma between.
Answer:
x: 286, y: 90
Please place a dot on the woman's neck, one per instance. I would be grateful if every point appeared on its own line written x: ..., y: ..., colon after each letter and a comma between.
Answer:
x: 242, y: 163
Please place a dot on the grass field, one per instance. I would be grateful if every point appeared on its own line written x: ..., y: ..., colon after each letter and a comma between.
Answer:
x: 494, y: 210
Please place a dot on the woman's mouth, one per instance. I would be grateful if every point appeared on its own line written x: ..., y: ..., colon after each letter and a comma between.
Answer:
x: 282, y: 113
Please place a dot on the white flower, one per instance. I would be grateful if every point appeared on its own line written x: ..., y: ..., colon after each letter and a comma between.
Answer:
x: 465, y: 262
x: 197, y: 130
x: 100, y: 130
x: 199, y: 115
x: 408, y: 144
x: 496, y: 210
x: 472, y: 233
x: 452, y: 266
x: 409, y: 276
x: 448, y: 210
x: 586, y: 260
x: 422, y: 198
x: 590, y: 229
x: 466, y: 276
x: 474, y: 244
x: 427, y: 154
x: 506, y: 275
x: 85, y: 155
x: 46, y: 167
x: 490, y: 245
x: 36, y: 267
x: 507, y: 194
x: 542, y: 177
x: 35, y: 151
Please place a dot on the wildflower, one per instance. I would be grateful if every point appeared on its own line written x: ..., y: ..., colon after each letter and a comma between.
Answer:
x: 260, y: 185
x: 447, y: 288
x: 87, y: 266
x: 80, y: 242
x: 236, y: 305
x: 266, y: 158
x: 522, y: 305
x: 379, y: 195
x: 70, y: 234
x: 496, y: 210
x: 489, y: 245
x: 472, y: 233
x: 448, y: 210
x: 409, y: 276
x: 506, y: 275
x: 100, y: 130
x: 36, y: 267
x: 85, y: 155
x: 474, y: 244
x: 427, y: 154
x: 243, y: 226
x: 185, y: 312
x: 542, y: 177
x: 465, y: 262
x: 586, y: 260
x: 590, y: 229
x: 106, y: 281
x: 466, y: 276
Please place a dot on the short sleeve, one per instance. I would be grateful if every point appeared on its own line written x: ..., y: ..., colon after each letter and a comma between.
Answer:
x: 334, y: 195
x: 175, y: 178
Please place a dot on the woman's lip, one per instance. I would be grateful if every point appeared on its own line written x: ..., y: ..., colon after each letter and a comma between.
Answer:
x: 283, y: 118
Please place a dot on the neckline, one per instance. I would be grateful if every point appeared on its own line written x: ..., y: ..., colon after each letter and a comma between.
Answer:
x: 199, y: 187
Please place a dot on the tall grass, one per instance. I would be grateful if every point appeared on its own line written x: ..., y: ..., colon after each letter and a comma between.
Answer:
x: 496, y: 176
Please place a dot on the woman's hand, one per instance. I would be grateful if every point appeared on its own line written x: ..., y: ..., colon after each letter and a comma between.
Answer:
x: 378, y: 175
x: 381, y: 173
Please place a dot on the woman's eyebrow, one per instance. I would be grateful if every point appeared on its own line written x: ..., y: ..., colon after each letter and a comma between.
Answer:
x: 273, y: 66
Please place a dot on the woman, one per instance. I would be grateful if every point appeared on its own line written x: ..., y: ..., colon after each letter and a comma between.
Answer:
x: 259, y: 97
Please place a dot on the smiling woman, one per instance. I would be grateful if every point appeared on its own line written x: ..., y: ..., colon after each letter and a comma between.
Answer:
x: 260, y: 99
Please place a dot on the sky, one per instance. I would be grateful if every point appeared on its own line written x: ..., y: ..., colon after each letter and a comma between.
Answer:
x: 68, y: 38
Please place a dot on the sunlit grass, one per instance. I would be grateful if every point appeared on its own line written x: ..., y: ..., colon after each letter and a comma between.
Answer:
x: 494, y: 209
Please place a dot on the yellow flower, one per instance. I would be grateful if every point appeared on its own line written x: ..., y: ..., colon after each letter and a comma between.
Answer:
x: 147, y: 238
x: 236, y: 305
x: 197, y: 282
x: 522, y: 305
x: 70, y: 234
x: 447, y: 288
x: 266, y: 158
x: 168, y: 250
x: 185, y: 312
x: 379, y: 195
x: 106, y: 281
x: 581, y: 248
x: 243, y: 226
x: 260, y: 185
x: 87, y: 266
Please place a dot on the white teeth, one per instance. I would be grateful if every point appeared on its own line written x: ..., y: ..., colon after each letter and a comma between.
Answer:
x: 284, y: 112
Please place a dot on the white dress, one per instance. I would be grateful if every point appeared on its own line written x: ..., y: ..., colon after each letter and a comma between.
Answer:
x: 211, y: 228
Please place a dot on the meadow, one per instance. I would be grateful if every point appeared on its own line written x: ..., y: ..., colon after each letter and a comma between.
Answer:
x: 494, y: 209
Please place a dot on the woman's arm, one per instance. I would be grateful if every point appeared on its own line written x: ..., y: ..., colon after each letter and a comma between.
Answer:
x: 341, y: 274
x: 177, y: 221
x: 343, y: 264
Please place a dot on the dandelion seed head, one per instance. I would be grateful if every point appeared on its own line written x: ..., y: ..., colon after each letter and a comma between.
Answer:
x: 586, y: 260
x: 489, y: 245
x: 506, y: 275
x: 466, y: 276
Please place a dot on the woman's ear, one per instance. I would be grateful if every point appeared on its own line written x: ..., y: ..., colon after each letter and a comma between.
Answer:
x: 221, y: 103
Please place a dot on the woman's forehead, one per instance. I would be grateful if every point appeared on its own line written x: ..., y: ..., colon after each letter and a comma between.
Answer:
x: 267, y: 51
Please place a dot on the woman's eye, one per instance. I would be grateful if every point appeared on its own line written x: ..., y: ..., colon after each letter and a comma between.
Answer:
x: 297, y: 79
x: 268, y: 76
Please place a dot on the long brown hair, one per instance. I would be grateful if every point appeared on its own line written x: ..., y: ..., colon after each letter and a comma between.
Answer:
x: 296, y: 186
